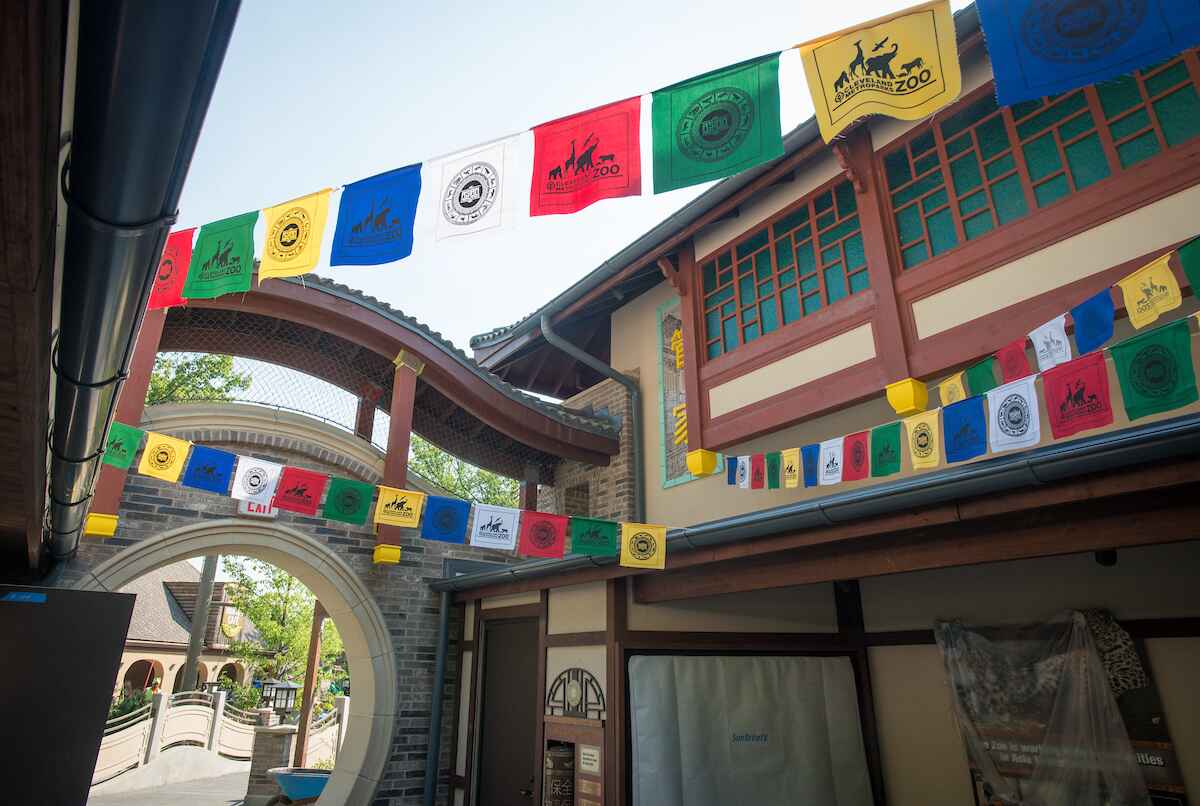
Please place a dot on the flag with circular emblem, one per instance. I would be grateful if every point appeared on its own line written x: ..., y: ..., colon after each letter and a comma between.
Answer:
x: 643, y: 545
x: 293, y: 238
x: 163, y: 457
x: 172, y: 270
x: 542, y: 535
x: 348, y: 501
x: 1155, y: 370
x: 223, y: 259
x: 299, y: 490
x: 474, y: 189
x: 1013, y: 417
x: 445, y: 519
x: 396, y: 507
x: 122, y: 446
x: 953, y: 389
x: 856, y: 454
x: 255, y: 480
x: 924, y: 442
x: 1150, y: 292
x: 1013, y: 360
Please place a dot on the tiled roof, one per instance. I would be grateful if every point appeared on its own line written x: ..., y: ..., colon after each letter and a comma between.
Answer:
x: 156, y: 615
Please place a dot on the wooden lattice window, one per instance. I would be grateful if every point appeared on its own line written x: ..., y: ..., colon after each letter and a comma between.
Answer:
x: 985, y: 166
x: 809, y: 256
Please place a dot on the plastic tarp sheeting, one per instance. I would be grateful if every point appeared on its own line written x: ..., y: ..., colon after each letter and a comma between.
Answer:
x: 720, y: 730
x: 1039, y: 719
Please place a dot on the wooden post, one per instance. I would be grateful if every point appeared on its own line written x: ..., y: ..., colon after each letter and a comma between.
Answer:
x: 310, y: 682
x: 364, y: 420
x: 529, y: 489
x: 395, y: 464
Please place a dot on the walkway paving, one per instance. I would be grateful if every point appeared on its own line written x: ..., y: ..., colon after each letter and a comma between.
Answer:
x: 226, y: 790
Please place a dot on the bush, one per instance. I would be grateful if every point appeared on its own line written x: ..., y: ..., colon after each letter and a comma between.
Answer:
x: 130, y: 702
x: 245, y: 697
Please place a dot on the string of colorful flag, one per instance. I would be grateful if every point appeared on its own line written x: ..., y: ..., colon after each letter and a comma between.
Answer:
x: 978, y: 414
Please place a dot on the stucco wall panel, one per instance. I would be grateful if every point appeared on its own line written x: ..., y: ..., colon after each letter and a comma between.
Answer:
x: 805, y: 608
x: 1173, y: 662
x: 578, y: 608
x: 510, y: 600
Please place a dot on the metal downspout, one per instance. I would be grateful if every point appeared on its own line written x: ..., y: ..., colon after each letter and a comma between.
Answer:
x: 635, y: 401
x: 434, y: 752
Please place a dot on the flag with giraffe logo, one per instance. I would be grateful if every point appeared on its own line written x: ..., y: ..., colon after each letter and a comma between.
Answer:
x: 581, y: 159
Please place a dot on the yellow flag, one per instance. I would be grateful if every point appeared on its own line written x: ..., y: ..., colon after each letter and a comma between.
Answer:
x: 643, y: 546
x: 904, y: 65
x: 953, y: 389
x: 163, y: 457
x: 397, y: 507
x: 294, y: 230
x: 924, y: 439
x: 1150, y: 292
x: 791, y: 467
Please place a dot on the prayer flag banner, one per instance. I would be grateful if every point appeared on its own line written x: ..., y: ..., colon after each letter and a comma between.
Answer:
x: 1155, y: 370
x: 294, y: 233
x: 472, y: 190
x: 172, y: 270
x: 163, y: 457
x: 348, y: 501
x: 981, y: 377
x: 1050, y: 343
x: 924, y: 446
x: 375, y: 219
x: 122, y: 446
x: 1189, y: 258
x: 643, y: 545
x: 717, y: 124
x: 1093, y: 320
x: 1150, y: 292
x: 542, y: 535
x: 223, y: 259
x: 953, y: 389
x: 965, y: 429
x: 299, y: 490
x: 831, y: 461
x: 743, y: 472
x: 1013, y: 419
x: 731, y: 470
x: 495, y: 527
x: 885, y: 450
x: 857, y: 456
x: 811, y: 459
x: 255, y: 480
x: 791, y: 468
x: 396, y: 507
x: 1077, y: 396
x: 773, y: 463
x: 1013, y: 361
x: 209, y: 469
x: 594, y: 537
x: 904, y: 65
x: 758, y: 472
x: 445, y: 519
x: 581, y: 159
x: 1039, y: 48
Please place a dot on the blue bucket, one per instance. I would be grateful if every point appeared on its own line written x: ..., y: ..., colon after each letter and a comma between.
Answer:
x: 299, y: 783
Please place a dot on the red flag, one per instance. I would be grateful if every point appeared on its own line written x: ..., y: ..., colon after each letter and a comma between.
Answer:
x: 1014, y: 364
x: 856, y: 456
x: 299, y: 490
x: 1077, y: 395
x: 581, y: 159
x: 758, y: 471
x: 542, y: 535
x: 172, y: 270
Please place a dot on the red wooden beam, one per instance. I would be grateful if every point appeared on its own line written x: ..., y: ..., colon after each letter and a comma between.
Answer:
x: 395, y: 463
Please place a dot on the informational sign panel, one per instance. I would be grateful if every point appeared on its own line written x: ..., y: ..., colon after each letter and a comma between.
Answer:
x: 251, y: 509
x: 672, y: 413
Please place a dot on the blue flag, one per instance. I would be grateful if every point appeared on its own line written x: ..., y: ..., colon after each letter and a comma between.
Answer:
x: 375, y: 219
x: 1044, y: 47
x: 1093, y: 320
x: 964, y: 429
x: 731, y: 470
x: 445, y: 519
x: 810, y: 457
x: 209, y: 469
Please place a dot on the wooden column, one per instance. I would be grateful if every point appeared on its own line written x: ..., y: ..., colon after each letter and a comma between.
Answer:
x: 681, y: 274
x: 395, y: 464
x: 529, y: 489
x: 310, y: 683
x: 364, y: 419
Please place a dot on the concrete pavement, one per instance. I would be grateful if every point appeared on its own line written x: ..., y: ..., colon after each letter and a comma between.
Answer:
x: 227, y: 790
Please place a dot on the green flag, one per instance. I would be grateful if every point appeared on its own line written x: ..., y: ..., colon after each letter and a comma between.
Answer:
x: 717, y: 124
x: 1189, y: 257
x: 595, y: 537
x: 123, y: 443
x: 1155, y: 370
x: 348, y: 501
x: 981, y: 377
x: 223, y: 259
x: 773, y: 462
x: 885, y: 449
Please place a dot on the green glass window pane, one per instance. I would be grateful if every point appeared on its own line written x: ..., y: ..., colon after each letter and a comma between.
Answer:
x: 724, y: 261
x: 731, y: 334
x: 1041, y: 155
x: 978, y: 225
x: 934, y: 201
x: 976, y: 201
x: 860, y: 282
x: 993, y: 137
x: 922, y: 143
x: 712, y: 325
x: 1001, y: 166
x: 810, y: 285
x: 784, y: 256
x: 835, y: 283
x: 762, y: 264
x: 1060, y: 111
x: 974, y: 113
x: 752, y: 244
x: 1160, y: 82
x: 941, y: 232
x: 746, y: 288
x: 835, y: 234
x: 897, y: 168
x: 908, y: 222
x: 855, y: 255
x: 1118, y: 95
x: 1179, y: 115
x: 1133, y: 122
x: 831, y: 254
x: 749, y: 333
x: 914, y: 255
x: 925, y: 163
x: 958, y: 145
x: 1052, y: 191
x: 766, y: 288
x: 826, y: 219
x: 1008, y: 200
x: 787, y: 277
x: 1026, y: 108
x: 824, y: 202
x: 812, y: 304
x: 791, y: 305
x: 847, y: 202
x: 749, y: 314
x: 1076, y: 126
x: 725, y: 278
x: 710, y: 276
x: 767, y: 315
x: 806, y: 261
x: 965, y: 172
x: 719, y: 297
x: 917, y: 189
x: 792, y: 220
x: 745, y: 267
x: 1086, y: 160
x: 1138, y: 149
x: 714, y: 349
x: 727, y: 310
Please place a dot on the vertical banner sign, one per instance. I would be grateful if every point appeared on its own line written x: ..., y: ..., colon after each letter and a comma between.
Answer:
x: 300, y: 490
x: 396, y: 507
x: 885, y: 450
x: 375, y: 219
x: 857, y: 457
x: 472, y: 190
x: 1050, y: 343
x: 595, y: 538
x: 1155, y: 370
x: 672, y: 395
x: 965, y: 429
x: 223, y: 259
x: 1093, y: 319
x: 1013, y: 418
x: 1040, y: 47
x: 1077, y: 396
x: 643, y: 545
x: 294, y: 233
x: 717, y: 124
x: 348, y: 501
x: 791, y: 468
x: 172, y: 270
x: 122, y: 446
x: 163, y: 457
x: 542, y: 535
x: 445, y: 519
x: 209, y: 469
x: 904, y: 65
x: 1150, y: 292
x: 255, y: 480
x: 581, y: 159
x: 831, y: 461
x: 924, y: 444
x: 1013, y: 361
x: 810, y: 458
x: 953, y: 389
x: 495, y: 527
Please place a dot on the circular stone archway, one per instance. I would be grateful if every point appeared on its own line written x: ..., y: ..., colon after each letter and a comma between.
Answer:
x: 369, y: 649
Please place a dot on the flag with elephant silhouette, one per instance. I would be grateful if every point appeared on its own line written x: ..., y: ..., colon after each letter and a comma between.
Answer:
x: 584, y: 158
x: 904, y: 65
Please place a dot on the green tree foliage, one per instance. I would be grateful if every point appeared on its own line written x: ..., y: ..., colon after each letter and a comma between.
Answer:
x: 194, y: 377
x: 459, y: 478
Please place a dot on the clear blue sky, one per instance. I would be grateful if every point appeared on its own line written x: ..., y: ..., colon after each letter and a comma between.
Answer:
x: 317, y: 94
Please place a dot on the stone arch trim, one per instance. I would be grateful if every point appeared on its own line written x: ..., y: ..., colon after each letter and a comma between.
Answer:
x: 369, y: 648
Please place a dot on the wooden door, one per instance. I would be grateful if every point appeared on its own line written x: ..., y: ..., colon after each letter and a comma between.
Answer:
x: 507, y: 763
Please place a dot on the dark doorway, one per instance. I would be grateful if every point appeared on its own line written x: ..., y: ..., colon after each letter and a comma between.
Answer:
x: 507, y: 725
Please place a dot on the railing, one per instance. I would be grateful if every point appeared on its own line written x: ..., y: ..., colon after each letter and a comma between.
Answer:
x: 124, y: 744
x: 188, y: 720
x: 235, y: 733
x: 324, y: 739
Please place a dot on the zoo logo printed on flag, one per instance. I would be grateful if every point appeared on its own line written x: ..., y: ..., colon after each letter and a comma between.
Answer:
x: 1013, y: 418
x: 255, y: 480
x: 163, y: 457
x: 831, y: 461
x: 472, y: 193
x: 1077, y: 396
x: 495, y: 527
x: 397, y: 507
x: 607, y: 164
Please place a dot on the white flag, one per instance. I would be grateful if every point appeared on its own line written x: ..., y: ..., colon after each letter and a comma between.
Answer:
x: 495, y: 527
x: 1013, y: 417
x: 743, y: 472
x: 1050, y: 343
x: 831, y: 461
x: 472, y: 190
x: 255, y: 480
